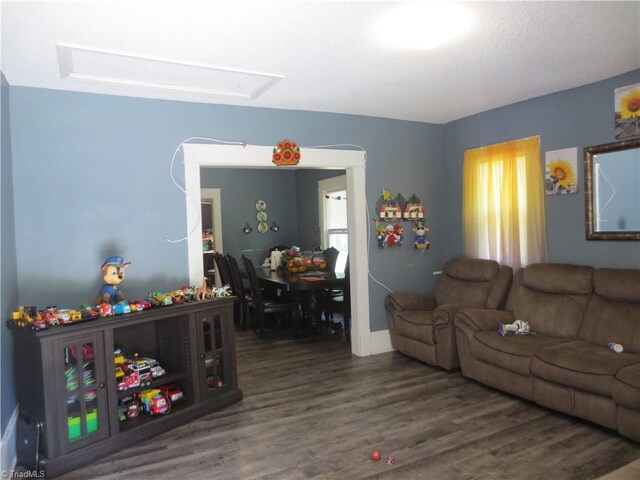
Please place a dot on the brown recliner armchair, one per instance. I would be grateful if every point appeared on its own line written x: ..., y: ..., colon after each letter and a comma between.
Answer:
x: 421, y: 324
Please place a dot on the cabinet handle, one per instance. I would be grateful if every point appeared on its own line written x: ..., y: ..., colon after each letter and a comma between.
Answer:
x: 102, y: 385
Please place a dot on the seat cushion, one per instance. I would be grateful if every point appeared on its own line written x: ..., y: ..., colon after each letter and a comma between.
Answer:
x: 581, y: 365
x: 417, y: 325
x: 626, y: 387
x: 511, y: 352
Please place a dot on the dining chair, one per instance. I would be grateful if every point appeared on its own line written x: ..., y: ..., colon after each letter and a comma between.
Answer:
x: 339, y: 301
x: 263, y: 305
x: 223, y: 268
x: 242, y: 294
x: 226, y: 279
x: 331, y: 258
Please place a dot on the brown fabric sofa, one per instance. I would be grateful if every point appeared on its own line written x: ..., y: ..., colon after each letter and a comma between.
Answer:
x: 421, y: 324
x: 575, y: 311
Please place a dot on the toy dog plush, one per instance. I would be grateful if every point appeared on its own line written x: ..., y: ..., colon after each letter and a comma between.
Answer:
x: 113, y: 273
x: 421, y: 242
x: 519, y: 327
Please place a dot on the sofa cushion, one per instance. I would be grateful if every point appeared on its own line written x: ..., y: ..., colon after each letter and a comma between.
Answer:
x: 558, y: 278
x: 613, y: 313
x: 466, y: 280
x: 511, y: 352
x: 552, y: 298
x: 415, y: 324
x: 581, y: 365
x: 626, y: 387
x: 619, y: 284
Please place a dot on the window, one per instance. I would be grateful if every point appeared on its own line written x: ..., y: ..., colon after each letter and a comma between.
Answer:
x: 332, y: 200
x: 503, y: 203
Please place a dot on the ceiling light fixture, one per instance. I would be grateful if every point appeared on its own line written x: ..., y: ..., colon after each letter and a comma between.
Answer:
x: 424, y: 26
x: 122, y: 68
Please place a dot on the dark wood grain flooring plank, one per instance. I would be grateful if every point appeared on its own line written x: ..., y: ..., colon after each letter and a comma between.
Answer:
x: 312, y: 410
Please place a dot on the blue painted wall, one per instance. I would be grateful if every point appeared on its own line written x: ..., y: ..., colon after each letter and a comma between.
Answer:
x: 91, y: 179
x: 579, y: 117
x: 8, y: 271
x: 91, y: 176
x: 292, y: 201
x: 240, y: 188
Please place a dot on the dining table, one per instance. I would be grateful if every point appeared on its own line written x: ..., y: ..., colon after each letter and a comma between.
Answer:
x: 307, y: 287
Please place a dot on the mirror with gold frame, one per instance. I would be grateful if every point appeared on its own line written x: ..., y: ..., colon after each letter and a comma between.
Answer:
x: 612, y: 190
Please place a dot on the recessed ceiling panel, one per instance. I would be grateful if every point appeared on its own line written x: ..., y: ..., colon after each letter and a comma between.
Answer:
x: 83, y: 63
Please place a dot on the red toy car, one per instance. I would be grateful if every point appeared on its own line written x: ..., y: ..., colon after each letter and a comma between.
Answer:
x: 172, y: 392
x: 140, y: 305
x: 154, y: 401
x: 130, y: 380
x: 105, y: 310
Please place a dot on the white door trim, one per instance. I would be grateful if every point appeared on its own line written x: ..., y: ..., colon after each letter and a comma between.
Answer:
x: 257, y: 156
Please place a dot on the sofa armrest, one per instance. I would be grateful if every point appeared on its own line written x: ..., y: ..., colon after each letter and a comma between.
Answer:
x: 396, y: 302
x: 471, y: 320
x: 444, y: 314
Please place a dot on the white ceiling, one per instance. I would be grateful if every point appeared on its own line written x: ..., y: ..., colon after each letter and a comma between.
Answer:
x: 327, y: 52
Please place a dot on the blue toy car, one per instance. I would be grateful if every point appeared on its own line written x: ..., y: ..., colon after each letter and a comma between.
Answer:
x: 121, y: 307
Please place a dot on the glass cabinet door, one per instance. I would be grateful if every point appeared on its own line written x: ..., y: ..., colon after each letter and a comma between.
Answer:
x: 212, y: 358
x: 79, y: 366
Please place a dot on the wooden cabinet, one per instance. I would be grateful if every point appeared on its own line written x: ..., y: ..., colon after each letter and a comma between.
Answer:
x: 66, y: 377
x: 78, y: 367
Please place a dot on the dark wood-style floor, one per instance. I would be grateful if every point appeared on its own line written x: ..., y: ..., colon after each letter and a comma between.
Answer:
x: 312, y: 410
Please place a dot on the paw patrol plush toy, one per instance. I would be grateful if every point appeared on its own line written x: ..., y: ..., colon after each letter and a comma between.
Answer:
x: 113, y: 273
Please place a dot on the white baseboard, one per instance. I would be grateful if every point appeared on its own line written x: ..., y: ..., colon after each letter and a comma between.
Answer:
x: 380, y: 342
x: 8, y: 444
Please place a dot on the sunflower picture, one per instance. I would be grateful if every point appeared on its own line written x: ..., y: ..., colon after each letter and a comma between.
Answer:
x: 561, y: 175
x: 627, y: 111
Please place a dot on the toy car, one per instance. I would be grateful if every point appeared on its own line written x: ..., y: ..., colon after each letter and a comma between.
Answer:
x: 172, y: 392
x: 143, y: 369
x: 87, y: 311
x: 39, y: 324
x: 139, y: 305
x: 154, y: 401
x: 130, y: 406
x: 156, y: 369
x: 143, y: 304
x: 130, y: 380
x: 118, y: 358
x: 50, y: 315
x: 63, y: 316
x: 121, y: 308
x: 105, y: 310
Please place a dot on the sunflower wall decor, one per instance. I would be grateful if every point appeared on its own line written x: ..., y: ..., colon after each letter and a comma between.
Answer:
x: 627, y: 111
x: 561, y: 175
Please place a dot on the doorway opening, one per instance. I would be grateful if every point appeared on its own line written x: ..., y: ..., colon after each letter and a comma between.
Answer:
x: 211, y: 215
x: 257, y: 156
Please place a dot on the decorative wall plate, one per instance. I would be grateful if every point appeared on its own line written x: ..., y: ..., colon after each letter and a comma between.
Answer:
x: 262, y: 216
x: 263, y: 227
x: 261, y: 205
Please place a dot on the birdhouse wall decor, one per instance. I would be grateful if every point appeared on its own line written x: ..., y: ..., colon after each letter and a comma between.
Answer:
x: 414, y: 210
x: 286, y: 153
x: 389, y: 209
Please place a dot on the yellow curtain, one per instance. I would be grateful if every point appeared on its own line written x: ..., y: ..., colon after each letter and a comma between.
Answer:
x: 503, y: 203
